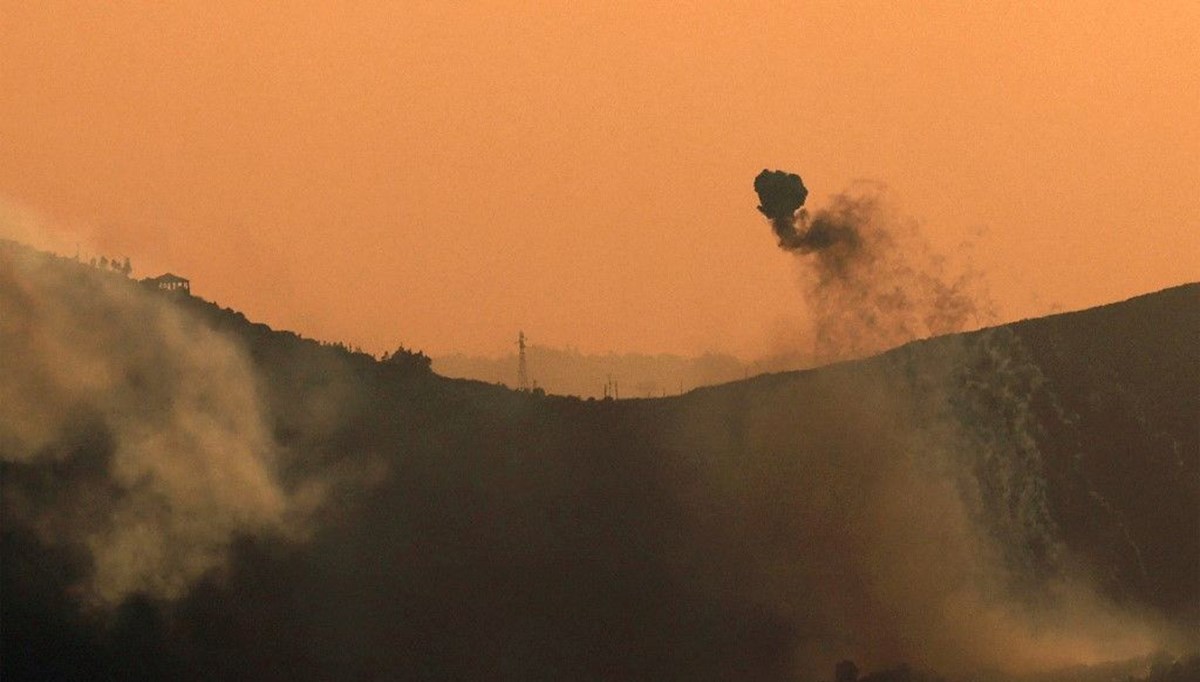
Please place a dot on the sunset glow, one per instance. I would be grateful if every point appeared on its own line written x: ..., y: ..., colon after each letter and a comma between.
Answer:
x: 442, y: 175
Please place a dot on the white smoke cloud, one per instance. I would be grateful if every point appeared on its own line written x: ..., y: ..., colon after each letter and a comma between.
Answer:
x: 154, y: 417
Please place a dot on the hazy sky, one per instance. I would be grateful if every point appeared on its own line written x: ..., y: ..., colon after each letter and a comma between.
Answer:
x: 444, y: 174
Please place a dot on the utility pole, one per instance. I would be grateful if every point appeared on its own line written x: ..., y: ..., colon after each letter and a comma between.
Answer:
x: 522, y: 368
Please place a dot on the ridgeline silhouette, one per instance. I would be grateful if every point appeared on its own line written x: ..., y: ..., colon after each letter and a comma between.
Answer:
x: 190, y: 495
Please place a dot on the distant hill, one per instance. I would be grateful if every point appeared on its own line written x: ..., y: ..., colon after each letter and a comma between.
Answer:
x: 569, y: 372
x: 189, y: 495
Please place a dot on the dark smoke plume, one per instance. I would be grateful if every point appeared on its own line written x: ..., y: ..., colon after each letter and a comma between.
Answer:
x: 872, y: 281
x: 781, y: 194
x: 782, y: 197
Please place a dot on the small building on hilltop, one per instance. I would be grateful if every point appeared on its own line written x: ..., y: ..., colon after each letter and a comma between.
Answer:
x: 169, y: 282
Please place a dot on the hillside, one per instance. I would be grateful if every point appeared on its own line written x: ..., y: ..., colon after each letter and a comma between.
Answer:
x: 189, y: 495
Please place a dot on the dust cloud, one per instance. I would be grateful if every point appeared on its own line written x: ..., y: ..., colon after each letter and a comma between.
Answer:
x: 896, y: 512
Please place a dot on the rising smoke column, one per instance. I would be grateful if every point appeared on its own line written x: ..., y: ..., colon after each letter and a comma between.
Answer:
x: 781, y: 194
x: 945, y: 546
x: 872, y: 282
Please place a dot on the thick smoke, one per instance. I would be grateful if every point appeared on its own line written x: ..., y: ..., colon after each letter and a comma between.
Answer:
x: 150, y: 421
x: 782, y: 195
x: 871, y: 280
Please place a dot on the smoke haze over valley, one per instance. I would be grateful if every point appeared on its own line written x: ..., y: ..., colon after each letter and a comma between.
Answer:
x: 189, y: 495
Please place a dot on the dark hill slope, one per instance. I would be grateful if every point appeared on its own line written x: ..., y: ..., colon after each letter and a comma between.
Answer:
x: 970, y: 502
x: 1129, y: 375
x: 1087, y: 422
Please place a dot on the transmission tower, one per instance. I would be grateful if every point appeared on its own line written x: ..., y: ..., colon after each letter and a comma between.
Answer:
x: 522, y: 369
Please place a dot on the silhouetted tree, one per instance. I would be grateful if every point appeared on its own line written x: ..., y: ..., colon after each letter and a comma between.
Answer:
x: 411, y: 360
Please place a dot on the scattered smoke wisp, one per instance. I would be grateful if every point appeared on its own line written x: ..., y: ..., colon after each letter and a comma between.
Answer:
x: 894, y: 511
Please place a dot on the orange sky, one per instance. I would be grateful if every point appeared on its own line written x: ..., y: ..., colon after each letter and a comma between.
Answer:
x: 442, y: 176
